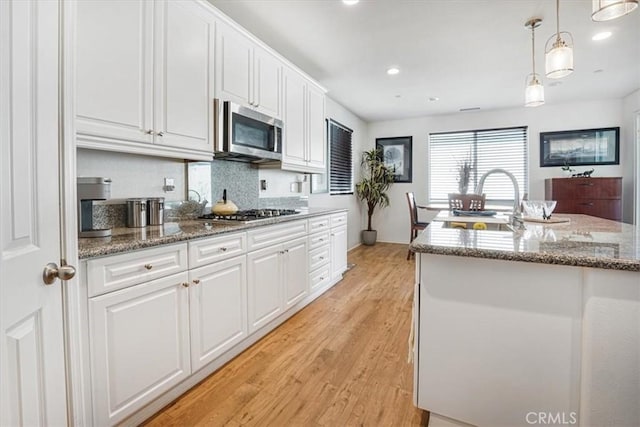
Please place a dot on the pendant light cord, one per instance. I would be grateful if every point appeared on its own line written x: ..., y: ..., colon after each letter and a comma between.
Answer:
x: 533, y: 49
x: 558, y: 21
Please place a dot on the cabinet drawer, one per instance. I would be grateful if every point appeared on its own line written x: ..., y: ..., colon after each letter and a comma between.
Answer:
x: 319, y: 223
x: 120, y: 271
x: 320, y: 277
x: 319, y: 257
x: 274, y: 234
x: 319, y: 239
x: 207, y: 251
x: 338, y: 219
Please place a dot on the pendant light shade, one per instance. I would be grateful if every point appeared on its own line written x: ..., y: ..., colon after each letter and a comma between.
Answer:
x: 534, y: 91
x: 605, y: 10
x: 559, y: 51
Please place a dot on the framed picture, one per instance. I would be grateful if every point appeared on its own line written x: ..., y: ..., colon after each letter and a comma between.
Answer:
x: 396, y: 154
x: 580, y: 147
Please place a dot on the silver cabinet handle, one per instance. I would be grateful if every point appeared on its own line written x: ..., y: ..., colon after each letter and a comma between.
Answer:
x: 223, y: 249
x: 185, y: 284
x: 52, y: 272
x: 160, y: 133
x: 148, y: 266
x: 196, y: 281
x: 149, y: 131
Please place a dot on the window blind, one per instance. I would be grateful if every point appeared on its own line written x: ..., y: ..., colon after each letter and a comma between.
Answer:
x: 487, y: 149
x: 340, y: 159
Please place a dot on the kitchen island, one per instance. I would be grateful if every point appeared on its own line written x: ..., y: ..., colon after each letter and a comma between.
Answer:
x: 534, y: 327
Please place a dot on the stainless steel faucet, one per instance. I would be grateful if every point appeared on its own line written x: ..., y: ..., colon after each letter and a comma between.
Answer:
x: 516, y: 216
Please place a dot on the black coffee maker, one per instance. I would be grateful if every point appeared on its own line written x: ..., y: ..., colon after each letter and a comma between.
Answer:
x: 90, y: 189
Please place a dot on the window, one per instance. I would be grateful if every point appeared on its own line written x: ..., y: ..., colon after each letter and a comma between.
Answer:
x: 487, y: 149
x: 340, y: 159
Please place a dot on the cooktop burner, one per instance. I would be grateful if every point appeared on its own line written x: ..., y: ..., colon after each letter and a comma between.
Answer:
x: 251, y: 215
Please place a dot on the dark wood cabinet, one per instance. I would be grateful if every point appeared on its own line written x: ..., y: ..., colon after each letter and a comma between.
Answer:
x: 601, y: 197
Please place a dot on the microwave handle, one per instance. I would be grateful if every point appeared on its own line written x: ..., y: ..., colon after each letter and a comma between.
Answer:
x: 218, y: 125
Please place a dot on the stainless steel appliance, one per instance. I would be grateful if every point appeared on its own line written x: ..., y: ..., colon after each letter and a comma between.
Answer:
x: 155, y: 211
x: 250, y: 215
x: 90, y: 189
x: 136, y: 213
x: 243, y: 134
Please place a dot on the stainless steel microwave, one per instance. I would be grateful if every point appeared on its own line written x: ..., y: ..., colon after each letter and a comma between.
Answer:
x: 243, y: 134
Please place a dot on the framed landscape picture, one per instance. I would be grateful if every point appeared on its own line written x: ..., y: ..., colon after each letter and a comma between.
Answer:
x: 580, y: 147
x: 397, y: 155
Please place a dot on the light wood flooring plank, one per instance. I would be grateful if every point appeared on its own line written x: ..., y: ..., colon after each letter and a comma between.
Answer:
x: 341, y: 361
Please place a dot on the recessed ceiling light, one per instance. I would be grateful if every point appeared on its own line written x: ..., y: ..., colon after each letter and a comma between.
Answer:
x: 601, y: 36
x: 434, y: 99
x: 393, y: 71
x: 470, y: 109
x: 599, y: 70
x: 398, y: 96
x: 555, y: 83
x: 350, y: 2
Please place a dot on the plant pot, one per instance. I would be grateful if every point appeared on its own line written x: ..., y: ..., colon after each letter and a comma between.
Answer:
x: 369, y: 237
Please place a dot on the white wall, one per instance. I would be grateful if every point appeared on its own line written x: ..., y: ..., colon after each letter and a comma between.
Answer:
x: 134, y: 175
x: 393, y: 222
x: 360, y: 142
x: 631, y: 134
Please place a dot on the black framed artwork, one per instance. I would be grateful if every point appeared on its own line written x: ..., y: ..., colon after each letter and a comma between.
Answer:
x: 397, y: 155
x: 580, y: 147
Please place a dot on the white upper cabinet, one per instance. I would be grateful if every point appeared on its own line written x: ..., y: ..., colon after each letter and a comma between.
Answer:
x: 246, y: 73
x: 143, y: 74
x: 304, y: 146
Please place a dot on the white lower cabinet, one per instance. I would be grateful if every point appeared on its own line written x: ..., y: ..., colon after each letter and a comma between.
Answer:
x: 218, y: 309
x: 277, y: 279
x: 139, y: 345
x: 338, y: 252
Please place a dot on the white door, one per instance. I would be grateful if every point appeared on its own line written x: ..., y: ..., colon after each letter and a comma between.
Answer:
x: 234, y: 55
x: 338, y: 252
x: 183, y: 56
x: 294, y: 150
x: 264, y: 278
x: 296, y: 271
x: 267, y: 72
x: 32, y: 388
x: 139, y: 342
x: 114, y: 62
x: 316, y: 129
x: 217, y: 309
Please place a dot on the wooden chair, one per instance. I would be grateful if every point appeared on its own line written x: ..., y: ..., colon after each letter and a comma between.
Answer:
x: 466, y: 202
x: 415, y: 224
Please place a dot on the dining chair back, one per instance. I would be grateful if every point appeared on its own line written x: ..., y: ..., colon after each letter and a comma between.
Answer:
x: 416, y: 225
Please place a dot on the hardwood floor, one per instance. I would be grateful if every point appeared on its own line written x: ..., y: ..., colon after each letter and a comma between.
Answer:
x: 341, y: 361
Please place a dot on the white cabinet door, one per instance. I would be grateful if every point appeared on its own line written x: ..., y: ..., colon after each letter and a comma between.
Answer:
x: 304, y: 142
x: 316, y: 125
x: 139, y: 342
x: 233, y: 64
x: 32, y: 364
x: 264, y: 270
x: 267, y: 77
x: 218, y: 309
x: 183, y: 35
x: 295, y: 271
x: 294, y: 138
x: 338, y: 252
x: 114, y: 66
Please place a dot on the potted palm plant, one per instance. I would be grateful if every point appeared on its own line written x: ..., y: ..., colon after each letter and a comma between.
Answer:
x: 372, y: 188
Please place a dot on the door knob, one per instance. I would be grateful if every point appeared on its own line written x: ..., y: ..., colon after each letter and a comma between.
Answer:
x: 52, y: 272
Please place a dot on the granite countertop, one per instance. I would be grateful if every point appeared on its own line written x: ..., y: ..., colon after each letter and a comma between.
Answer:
x: 124, y: 239
x: 585, y: 241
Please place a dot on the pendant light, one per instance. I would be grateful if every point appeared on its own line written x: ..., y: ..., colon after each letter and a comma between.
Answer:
x: 558, y: 51
x: 534, y: 91
x: 605, y: 10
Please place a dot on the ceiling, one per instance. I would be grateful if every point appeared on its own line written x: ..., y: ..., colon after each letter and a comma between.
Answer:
x: 467, y: 53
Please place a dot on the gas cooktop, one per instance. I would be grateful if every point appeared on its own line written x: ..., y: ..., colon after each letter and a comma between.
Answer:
x: 250, y: 215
